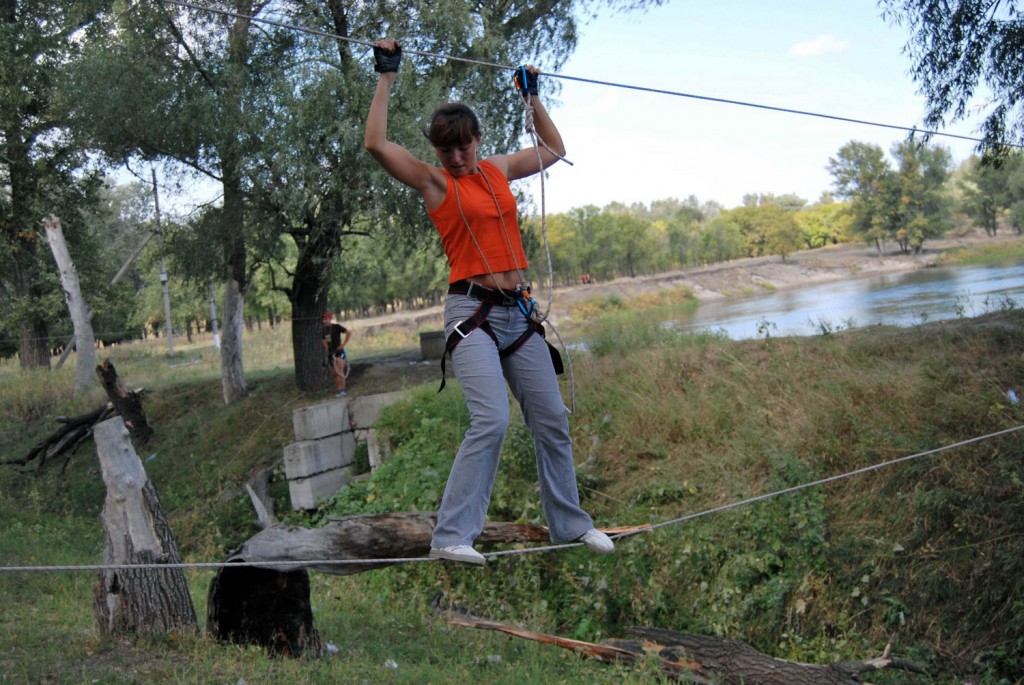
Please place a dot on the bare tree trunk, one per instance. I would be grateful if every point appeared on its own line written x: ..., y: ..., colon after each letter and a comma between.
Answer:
x: 136, y: 601
x: 85, y: 342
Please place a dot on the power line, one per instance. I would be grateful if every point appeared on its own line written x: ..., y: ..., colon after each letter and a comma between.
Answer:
x: 913, y: 130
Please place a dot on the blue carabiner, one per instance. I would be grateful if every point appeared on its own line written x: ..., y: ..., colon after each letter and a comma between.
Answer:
x: 524, y: 294
x: 521, y: 79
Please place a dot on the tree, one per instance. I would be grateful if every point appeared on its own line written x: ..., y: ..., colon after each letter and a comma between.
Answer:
x: 861, y: 175
x: 782, y: 233
x: 42, y: 168
x: 959, y: 47
x: 721, y: 239
x: 922, y: 209
x: 987, y: 191
x: 276, y: 115
x: 824, y: 223
x: 175, y: 84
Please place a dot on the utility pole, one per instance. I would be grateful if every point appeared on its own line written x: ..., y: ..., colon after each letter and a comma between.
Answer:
x: 163, y: 271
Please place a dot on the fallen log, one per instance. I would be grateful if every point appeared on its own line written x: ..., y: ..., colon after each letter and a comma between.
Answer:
x: 699, y: 658
x: 361, y: 538
x: 268, y: 605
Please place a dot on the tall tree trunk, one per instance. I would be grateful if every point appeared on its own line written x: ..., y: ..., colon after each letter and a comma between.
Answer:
x: 312, y: 370
x: 85, y: 341
x: 17, y: 231
x: 233, y: 226
x: 318, y: 246
x: 232, y: 372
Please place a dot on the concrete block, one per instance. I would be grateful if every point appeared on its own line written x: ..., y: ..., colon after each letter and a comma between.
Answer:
x: 305, y: 493
x: 310, y: 457
x: 363, y: 411
x: 321, y: 420
x: 432, y: 344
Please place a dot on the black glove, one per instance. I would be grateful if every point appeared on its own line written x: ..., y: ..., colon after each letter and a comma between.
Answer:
x: 526, y: 82
x: 386, y: 60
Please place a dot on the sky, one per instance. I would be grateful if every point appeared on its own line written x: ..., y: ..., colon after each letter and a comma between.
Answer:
x: 831, y: 57
x: 834, y: 57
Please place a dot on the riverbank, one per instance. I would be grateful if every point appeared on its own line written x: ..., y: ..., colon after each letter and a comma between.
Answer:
x: 736, y: 278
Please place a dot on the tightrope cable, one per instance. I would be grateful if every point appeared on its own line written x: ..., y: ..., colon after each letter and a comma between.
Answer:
x: 525, y: 550
x: 659, y: 91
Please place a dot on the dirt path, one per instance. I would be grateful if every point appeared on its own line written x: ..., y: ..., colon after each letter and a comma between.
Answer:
x: 729, y: 279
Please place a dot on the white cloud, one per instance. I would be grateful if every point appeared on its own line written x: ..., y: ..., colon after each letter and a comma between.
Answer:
x: 821, y: 45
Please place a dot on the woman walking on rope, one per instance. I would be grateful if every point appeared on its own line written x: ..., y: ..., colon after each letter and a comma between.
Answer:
x: 487, y: 310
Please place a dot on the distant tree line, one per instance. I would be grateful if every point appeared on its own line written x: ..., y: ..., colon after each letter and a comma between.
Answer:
x: 903, y: 201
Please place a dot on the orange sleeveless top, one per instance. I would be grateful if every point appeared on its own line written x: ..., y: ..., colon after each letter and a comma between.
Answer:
x: 492, y: 251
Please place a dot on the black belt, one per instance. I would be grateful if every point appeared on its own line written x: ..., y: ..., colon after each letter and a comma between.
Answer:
x: 482, y: 293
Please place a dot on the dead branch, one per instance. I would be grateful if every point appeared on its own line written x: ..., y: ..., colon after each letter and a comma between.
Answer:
x: 66, y: 439
x: 127, y: 402
x: 77, y: 429
x: 699, y: 658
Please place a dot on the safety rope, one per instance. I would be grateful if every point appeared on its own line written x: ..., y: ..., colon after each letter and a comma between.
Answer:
x: 658, y: 91
x: 525, y: 550
x: 543, y: 315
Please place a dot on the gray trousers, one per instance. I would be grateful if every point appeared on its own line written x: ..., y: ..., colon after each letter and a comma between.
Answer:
x: 531, y: 377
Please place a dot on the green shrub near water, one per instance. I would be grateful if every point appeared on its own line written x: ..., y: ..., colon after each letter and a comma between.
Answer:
x: 927, y: 550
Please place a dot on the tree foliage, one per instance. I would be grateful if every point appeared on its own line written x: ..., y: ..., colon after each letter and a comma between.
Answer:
x: 963, y: 50
x: 43, y: 168
x: 907, y: 204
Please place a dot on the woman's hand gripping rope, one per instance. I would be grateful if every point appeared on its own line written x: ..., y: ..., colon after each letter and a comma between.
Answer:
x: 525, y: 78
x: 387, y: 56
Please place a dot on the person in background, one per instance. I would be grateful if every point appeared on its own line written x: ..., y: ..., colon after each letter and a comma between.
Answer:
x: 335, y: 338
x: 471, y: 205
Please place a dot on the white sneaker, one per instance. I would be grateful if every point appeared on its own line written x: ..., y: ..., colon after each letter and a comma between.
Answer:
x: 463, y: 553
x: 597, y: 541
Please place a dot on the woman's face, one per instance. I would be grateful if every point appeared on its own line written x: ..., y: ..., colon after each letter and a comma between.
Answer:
x: 459, y: 160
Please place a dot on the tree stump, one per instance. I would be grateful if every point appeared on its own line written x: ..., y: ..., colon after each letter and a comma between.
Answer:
x: 144, y: 600
x: 260, y: 606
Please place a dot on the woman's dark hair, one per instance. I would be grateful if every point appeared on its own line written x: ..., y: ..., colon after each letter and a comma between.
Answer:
x: 451, y: 125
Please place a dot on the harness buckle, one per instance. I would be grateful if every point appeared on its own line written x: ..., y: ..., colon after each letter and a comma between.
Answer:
x: 457, y: 330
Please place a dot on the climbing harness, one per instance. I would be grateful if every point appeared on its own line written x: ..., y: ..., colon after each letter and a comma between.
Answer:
x: 489, y: 298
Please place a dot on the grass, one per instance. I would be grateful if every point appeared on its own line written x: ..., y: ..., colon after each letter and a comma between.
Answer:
x: 668, y: 426
x: 1001, y: 251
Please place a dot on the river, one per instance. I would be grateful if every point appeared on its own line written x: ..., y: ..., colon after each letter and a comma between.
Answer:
x: 899, y: 299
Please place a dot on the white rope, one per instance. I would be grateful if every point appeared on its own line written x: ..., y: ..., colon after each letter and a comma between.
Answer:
x: 543, y: 316
x: 526, y: 550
